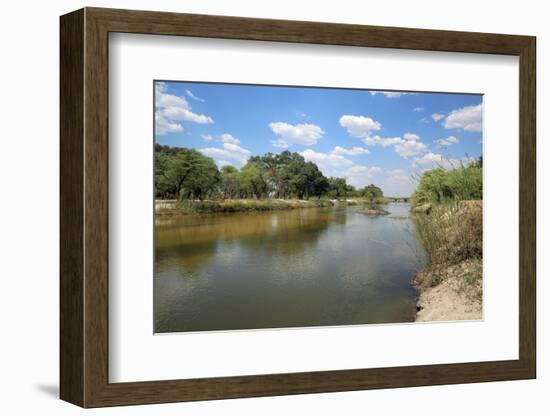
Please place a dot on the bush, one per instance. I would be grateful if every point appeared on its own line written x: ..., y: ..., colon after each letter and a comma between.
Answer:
x: 441, y: 185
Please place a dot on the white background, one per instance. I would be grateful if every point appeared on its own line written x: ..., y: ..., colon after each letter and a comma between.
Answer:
x: 136, y: 355
x: 29, y: 212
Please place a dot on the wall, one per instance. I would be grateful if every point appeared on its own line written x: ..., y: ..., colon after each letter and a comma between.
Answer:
x: 29, y: 232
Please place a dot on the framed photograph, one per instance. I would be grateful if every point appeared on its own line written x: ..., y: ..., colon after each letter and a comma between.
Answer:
x: 255, y: 207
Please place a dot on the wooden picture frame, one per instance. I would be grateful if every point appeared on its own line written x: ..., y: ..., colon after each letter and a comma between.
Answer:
x: 84, y: 207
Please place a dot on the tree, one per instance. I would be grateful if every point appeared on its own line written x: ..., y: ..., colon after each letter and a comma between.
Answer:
x: 337, y: 188
x: 372, y: 193
x: 252, y: 183
x: 229, y: 182
x: 188, y: 174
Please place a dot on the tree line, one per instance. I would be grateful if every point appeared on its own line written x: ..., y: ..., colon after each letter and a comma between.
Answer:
x: 183, y: 173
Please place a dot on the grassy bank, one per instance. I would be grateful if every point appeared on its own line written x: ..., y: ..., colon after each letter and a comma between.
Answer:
x: 240, y: 205
x: 448, y: 212
x: 450, y: 284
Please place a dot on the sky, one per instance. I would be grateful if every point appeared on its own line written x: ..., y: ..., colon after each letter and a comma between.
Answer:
x: 366, y: 136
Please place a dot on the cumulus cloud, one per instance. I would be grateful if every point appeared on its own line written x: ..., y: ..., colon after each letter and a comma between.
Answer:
x: 170, y: 108
x: 467, y: 118
x: 437, y: 116
x: 410, y: 146
x: 354, y: 151
x: 359, y: 126
x: 400, y: 176
x: 432, y: 160
x: 381, y: 141
x: 207, y: 137
x: 227, y: 138
x: 447, y: 142
x: 287, y: 134
x: 411, y: 136
x: 194, y: 97
x: 325, y: 160
x: 280, y: 144
x: 230, y: 150
x: 360, y: 175
x: 164, y: 126
x: 398, y: 182
x: 183, y: 114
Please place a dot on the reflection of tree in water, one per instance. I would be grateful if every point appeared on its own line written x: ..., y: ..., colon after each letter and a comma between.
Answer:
x: 192, y: 240
x: 292, y: 234
x: 185, y: 258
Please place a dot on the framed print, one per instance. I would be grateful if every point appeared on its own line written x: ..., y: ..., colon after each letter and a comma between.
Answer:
x: 255, y: 207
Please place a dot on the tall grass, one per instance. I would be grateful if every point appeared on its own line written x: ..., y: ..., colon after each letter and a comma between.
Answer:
x: 461, y: 182
x: 451, y: 233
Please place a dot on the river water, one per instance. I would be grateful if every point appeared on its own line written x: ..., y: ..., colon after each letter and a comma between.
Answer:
x: 296, y: 268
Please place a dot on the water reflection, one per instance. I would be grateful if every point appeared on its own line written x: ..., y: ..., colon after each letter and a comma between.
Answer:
x: 309, y: 267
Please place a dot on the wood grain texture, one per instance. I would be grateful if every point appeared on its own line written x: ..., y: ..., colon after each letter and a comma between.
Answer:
x: 71, y: 208
x: 84, y: 207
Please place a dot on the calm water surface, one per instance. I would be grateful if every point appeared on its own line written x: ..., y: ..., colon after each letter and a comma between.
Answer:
x: 304, y: 267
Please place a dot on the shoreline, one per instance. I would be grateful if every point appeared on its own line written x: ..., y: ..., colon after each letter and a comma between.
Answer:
x: 174, y: 207
x: 449, y: 288
x: 452, y: 299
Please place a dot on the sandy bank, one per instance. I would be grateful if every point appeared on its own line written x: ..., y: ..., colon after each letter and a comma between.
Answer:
x: 456, y: 297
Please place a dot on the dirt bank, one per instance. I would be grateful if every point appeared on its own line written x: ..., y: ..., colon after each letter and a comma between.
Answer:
x: 457, y: 296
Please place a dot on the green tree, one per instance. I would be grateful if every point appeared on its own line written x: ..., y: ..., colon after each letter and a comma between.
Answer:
x: 372, y: 193
x: 252, y: 183
x: 337, y: 188
x: 229, y: 181
x: 187, y: 174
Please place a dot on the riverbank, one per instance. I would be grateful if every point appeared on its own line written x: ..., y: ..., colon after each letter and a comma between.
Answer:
x: 450, y: 285
x: 174, y: 207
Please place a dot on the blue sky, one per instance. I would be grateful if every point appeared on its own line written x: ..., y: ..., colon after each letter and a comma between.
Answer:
x: 366, y: 136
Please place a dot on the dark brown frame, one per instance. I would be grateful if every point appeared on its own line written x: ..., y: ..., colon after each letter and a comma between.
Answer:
x: 84, y: 208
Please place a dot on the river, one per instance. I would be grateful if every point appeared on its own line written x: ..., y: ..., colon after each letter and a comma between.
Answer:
x: 296, y: 268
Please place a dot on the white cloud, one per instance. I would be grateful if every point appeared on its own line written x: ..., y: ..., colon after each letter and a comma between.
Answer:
x: 280, y: 144
x: 359, y: 126
x: 360, y: 175
x: 447, y: 142
x: 354, y: 151
x: 229, y: 151
x: 164, y: 126
x: 467, y: 118
x: 391, y: 94
x: 410, y: 148
x: 207, y: 137
x: 418, y: 109
x: 399, y: 176
x: 382, y: 141
x: 288, y: 134
x: 433, y: 160
x: 227, y: 138
x: 183, y: 114
x: 170, y: 108
x: 411, y: 136
x: 398, y: 182
x: 325, y: 160
x: 194, y: 97
x: 437, y: 116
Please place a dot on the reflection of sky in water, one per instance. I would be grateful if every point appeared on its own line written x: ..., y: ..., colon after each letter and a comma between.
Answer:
x: 284, y: 268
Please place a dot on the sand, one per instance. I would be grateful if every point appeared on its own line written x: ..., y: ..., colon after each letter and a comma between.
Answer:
x: 451, y: 300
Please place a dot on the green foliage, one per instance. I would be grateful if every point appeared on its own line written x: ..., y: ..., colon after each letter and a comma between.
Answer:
x: 184, y: 174
x: 187, y: 174
x: 372, y: 193
x: 441, y: 185
x: 337, y: 188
